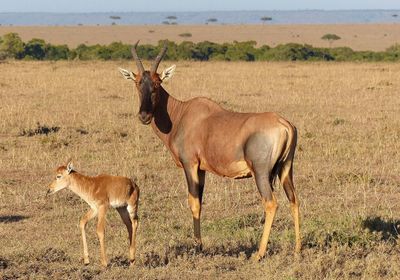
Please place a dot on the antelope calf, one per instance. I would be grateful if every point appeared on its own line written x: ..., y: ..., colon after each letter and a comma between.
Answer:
x: 100, y: 192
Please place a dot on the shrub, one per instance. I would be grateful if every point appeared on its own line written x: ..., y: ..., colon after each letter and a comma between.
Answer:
x: 119, y: 50
x: 185, y: 50
x: 12, y: 46
x: 205, y: 50
x: 394, y: 49
x: 36, y: 49
x: 241, y: 51
x: 342, y: 53
x: 294, y: 52
x: 57, y: 52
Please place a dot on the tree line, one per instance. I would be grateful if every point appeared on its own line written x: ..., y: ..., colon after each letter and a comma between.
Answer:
x: 12, y: 47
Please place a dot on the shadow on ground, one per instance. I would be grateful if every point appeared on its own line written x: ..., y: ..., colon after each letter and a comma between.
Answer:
x: 389, y: 229
x: 228, y: 250
x: 7, y: 219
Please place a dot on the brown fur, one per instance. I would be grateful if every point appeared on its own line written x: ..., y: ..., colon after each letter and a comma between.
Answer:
x: 100, y: 192
x: 202, y: 136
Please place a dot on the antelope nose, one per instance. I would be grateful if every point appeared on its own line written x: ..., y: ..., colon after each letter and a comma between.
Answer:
x: 145, y: 117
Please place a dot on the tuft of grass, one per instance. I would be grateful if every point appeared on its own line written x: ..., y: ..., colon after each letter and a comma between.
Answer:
x: 338, y: 121
x: 39, y: 130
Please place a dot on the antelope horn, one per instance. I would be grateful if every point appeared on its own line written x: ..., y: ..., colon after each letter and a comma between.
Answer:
x: 137, y: 59
x: 158, y: 59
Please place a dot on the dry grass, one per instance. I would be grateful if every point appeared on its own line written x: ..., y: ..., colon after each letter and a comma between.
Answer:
x: 346, y: 172
x: 376, y: 37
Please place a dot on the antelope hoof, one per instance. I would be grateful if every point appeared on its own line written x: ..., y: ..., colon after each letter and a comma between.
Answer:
x: 132, y: 263
x: 86, y: 261
x: 104, y: 264
x: 256, y: 257
x: 198, y: 247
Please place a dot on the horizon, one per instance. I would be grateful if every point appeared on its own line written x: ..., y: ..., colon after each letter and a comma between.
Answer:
x: 198, y: 11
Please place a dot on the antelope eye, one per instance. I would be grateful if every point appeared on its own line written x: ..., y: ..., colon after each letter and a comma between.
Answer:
x: 59, y: 176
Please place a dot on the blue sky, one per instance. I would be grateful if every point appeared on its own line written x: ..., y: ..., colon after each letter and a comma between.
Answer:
x: 186, y: 5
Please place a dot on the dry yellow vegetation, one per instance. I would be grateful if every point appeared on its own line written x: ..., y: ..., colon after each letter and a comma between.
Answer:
x: 375, y: 37
x: 346, y: 172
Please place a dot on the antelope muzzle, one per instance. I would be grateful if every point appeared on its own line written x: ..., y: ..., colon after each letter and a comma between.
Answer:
x: 145, y: 117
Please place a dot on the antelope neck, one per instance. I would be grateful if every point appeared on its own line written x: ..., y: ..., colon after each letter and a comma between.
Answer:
x: 81, y: 184
x: 166, y: 115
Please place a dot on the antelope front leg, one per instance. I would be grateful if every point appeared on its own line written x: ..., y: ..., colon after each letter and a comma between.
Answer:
x: 133, y: 213
x: 89, y: 215
x: 100, y: 233
x: 132, y: 248
x: 195, y: 180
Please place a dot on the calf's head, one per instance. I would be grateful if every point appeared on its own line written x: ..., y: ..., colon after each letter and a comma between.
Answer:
x: 62, y: 180
x: 148, y: 83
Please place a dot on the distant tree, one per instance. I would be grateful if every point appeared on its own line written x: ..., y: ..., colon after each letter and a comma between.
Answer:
x: 166, y: 22
x: 212, y: 20
x: 395, y: 15
x: 171, y: 19
x: 330, y: 38
x: 11, y: 46
x: 115, y: 17
x: 186, y: 34
x: 265, y: 19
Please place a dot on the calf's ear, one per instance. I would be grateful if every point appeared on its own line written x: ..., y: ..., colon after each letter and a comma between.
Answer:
x: 70, y: 167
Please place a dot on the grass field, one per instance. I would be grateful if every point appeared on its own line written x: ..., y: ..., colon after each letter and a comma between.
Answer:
x: 347, y: 173
x: 374, y: 37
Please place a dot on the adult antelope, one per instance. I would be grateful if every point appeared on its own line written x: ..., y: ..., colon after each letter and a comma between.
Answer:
x: 100, y: 192
x: 202, y: 136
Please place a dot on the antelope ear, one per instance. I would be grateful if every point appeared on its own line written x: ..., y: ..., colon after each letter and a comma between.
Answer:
x: 70, y: 167
x: 167, y: 73
x: 127, y: 74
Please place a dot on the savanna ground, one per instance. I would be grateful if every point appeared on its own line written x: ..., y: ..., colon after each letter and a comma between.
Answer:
x: 374, y: 37
x: 346, y: 173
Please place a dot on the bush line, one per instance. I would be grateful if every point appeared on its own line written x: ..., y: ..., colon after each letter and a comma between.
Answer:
x: 12, y: 47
